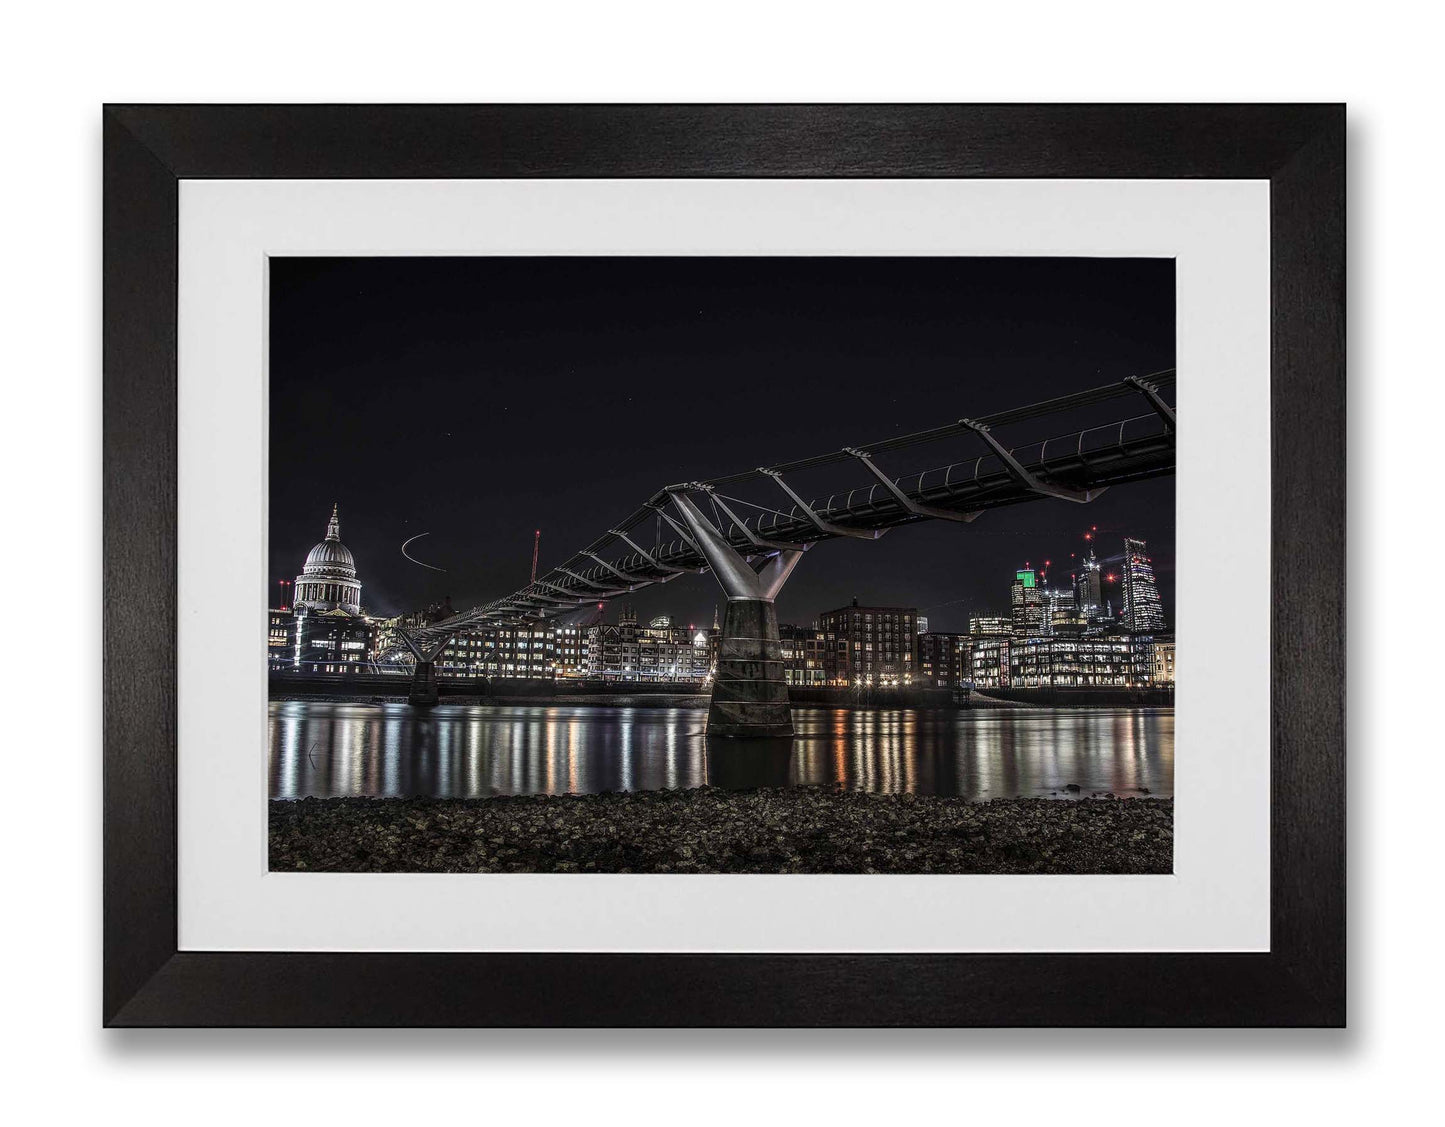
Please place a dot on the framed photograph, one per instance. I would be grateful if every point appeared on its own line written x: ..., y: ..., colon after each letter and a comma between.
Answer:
x: 724, y: 565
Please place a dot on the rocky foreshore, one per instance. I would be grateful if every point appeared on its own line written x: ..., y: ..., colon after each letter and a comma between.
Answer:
x: 710, y: 830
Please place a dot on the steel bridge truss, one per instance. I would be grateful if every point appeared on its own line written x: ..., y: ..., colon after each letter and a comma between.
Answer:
x: 687, y: 523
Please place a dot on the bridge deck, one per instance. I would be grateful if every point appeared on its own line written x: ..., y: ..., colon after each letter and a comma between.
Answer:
x: 1088, y: 459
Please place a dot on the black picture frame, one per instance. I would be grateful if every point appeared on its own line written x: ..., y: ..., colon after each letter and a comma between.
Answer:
x: 1299, y: 149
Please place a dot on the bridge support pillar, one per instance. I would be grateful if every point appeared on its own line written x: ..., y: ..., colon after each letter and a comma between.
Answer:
x: 749, y: 692
x: 745, y: 764
x: 423, y: 692
x: 423, y: 685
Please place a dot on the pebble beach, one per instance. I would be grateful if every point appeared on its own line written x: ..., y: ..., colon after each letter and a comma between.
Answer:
x: 711, y: 830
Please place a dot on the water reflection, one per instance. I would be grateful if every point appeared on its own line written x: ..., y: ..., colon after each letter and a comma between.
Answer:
x: 329, y: 748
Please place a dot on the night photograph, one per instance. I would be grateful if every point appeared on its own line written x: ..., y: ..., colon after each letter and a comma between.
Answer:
x: 721, y: 565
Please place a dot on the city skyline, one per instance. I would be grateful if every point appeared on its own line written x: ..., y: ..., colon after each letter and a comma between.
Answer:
x: 485, y: 462
x: 1072, y: 577
x: 1054, y: 635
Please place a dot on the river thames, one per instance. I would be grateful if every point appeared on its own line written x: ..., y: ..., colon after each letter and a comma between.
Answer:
x: 336, y: 749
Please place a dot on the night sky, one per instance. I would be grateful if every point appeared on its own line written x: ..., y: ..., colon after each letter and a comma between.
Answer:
x: 479, y: 399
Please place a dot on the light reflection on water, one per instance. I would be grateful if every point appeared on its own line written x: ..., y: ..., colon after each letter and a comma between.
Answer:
x: 328, y: 748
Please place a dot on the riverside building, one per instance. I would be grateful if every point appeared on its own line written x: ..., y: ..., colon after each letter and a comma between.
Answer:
x: 943, y: 660
x: 659, y: 651
x: 870, y: 646
x: 990, y: 661
x: 280, y: 637
x: 1117, y: 661
x: 1163, y: 660
x: 803, y: 661
x: 570, y: 651
x: 987, y: 660
x: 332, y: 641
x: 524, y: 652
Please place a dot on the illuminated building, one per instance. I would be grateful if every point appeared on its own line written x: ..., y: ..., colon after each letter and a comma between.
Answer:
x: 612, y: 649
x: 1027, y: 600
x: 500, y: 652
x: 424, y: 618
x: 1117, y: 661
x: 280, y: 638
x: 569, y: 648
x: 623, y: 652
x: 546, y: 651
x: 1163, y: 663
x: 530, y: 651
x: 324, y: 629
x: 1143, y: 612
x: 943, y: 660
x: 386, y: 634
x: 1089, y: 590
x: 1065, y: 660
x: 803, y: 647
x: 990, y: 627
x: 328, y: 578
x: 668, y: 652
x: 1061, y: 612
x: 332, y: 641
x: 988, y: 659
x: 869, y: 646
x: 923, y: 624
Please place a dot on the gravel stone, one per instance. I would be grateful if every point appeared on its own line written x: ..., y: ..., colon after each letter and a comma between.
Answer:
x: 709, y: 830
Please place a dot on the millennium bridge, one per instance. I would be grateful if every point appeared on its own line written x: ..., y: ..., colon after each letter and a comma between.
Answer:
x: 751, y: 529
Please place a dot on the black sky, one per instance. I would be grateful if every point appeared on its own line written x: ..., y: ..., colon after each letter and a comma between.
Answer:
x: 479, y: 399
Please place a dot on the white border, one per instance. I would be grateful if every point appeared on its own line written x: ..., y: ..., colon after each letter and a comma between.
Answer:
x: 1218, y: 897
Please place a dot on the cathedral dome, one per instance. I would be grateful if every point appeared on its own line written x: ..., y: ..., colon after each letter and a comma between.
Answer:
x: 330, y: 556
x: 328, y: 578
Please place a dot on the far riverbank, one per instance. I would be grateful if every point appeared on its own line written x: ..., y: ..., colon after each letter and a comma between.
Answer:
x: 859, y: 702
x: 387, y: 689
x: 624, y: 700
